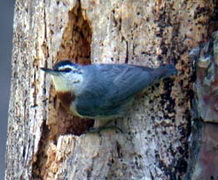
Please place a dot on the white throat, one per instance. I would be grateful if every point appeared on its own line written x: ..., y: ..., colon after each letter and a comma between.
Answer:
x: 68, y: 82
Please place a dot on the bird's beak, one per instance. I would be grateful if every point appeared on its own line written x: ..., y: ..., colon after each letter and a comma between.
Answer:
x: 50, y: 71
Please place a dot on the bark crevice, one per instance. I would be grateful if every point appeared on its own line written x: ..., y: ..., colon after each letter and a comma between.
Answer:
x: 76, y: 46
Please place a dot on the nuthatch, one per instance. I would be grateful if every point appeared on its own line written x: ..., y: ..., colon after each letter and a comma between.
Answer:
x: 102, y: 91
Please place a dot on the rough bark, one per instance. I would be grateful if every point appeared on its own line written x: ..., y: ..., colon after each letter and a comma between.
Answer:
x: 204, y: 152
x: 46, y: 142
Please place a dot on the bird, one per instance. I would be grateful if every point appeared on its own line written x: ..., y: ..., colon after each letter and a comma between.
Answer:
x: 102, y: 91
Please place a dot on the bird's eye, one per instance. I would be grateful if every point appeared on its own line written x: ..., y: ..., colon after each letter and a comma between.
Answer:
x: 67, y: 70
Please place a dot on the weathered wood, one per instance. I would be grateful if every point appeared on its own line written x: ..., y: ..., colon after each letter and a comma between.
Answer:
x: 47, y: 143
x: 204, y: 139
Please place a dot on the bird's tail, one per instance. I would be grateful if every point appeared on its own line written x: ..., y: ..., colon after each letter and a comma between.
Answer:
x: 166, y: 71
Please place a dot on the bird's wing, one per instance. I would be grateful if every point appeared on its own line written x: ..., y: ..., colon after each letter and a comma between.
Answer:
x: 111, y: 86
x: 130, y: 81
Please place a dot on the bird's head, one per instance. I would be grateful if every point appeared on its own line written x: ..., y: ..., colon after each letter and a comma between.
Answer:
x: 66, y: 75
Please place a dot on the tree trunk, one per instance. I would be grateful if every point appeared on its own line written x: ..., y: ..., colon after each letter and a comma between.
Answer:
x: 45, y: 142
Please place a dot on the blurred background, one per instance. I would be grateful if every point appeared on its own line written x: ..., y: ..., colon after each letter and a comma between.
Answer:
x: 6, y: 26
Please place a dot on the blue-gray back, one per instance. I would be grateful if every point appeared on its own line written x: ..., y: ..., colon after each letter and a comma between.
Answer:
x: 109, y: 87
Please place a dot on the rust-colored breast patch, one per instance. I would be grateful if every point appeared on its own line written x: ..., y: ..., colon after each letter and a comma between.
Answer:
x: 66, y: 98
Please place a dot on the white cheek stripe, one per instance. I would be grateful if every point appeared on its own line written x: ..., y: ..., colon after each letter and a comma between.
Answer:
x: 65, y: 67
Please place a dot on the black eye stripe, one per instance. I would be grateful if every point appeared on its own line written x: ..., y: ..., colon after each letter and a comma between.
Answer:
x: 65, y: 70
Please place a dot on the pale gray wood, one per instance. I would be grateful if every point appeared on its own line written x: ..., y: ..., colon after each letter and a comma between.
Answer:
x: 154, y: 144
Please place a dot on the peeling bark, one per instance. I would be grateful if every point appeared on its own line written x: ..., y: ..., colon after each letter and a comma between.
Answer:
x: 45, y: 142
